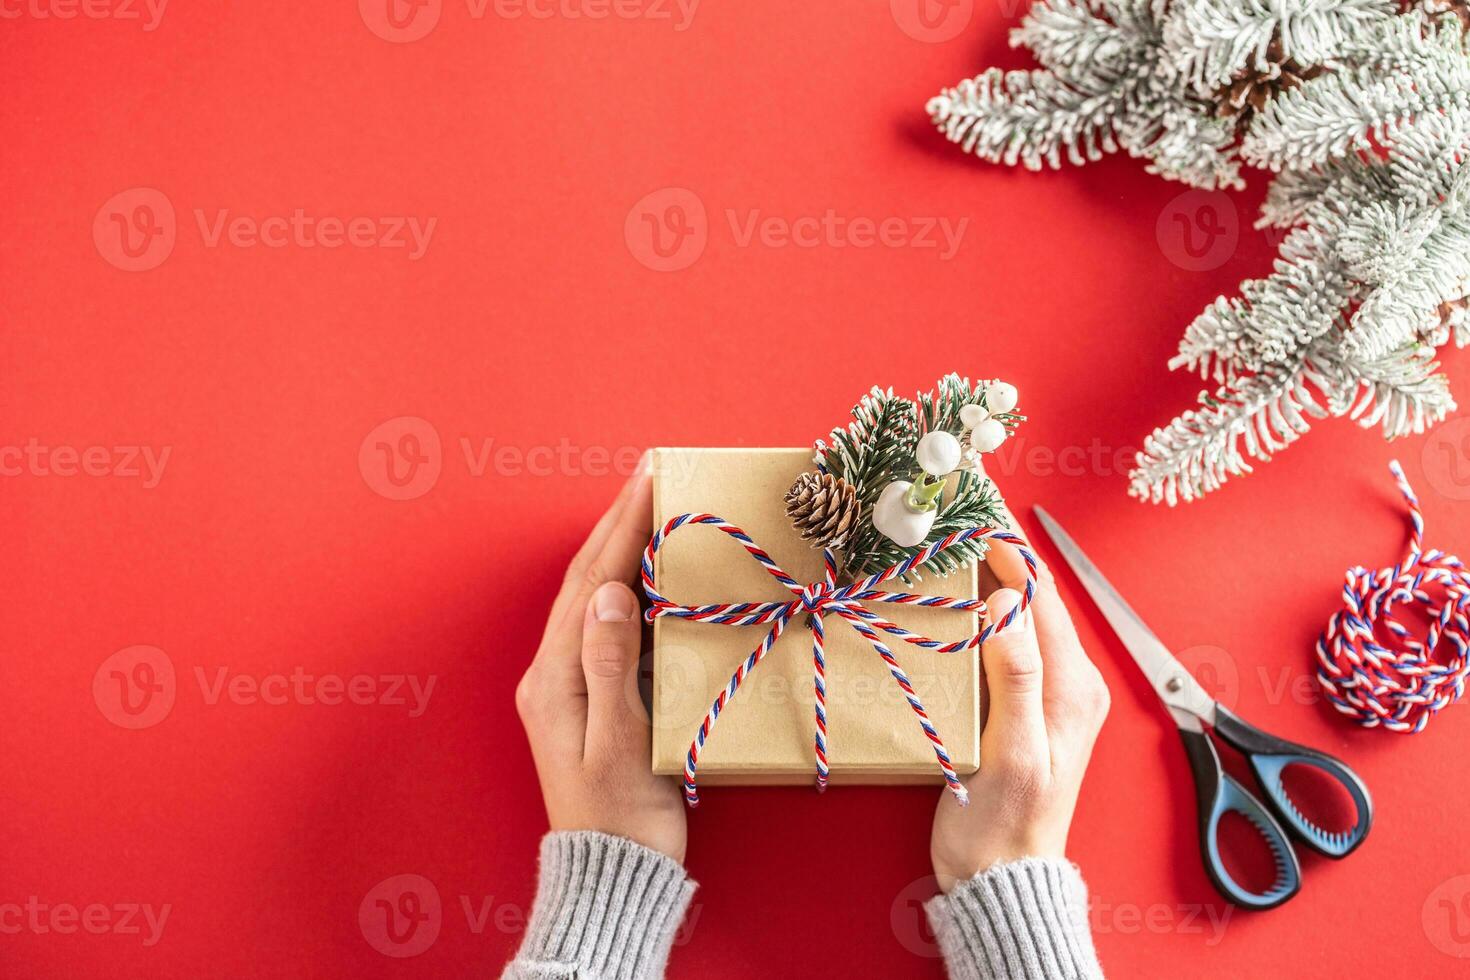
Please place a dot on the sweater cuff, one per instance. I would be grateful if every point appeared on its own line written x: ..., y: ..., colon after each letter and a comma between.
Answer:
x: 605, y: 907
x: 1022, y: 919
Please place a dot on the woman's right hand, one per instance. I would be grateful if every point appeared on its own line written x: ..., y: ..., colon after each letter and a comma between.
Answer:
x: 1047, y: 703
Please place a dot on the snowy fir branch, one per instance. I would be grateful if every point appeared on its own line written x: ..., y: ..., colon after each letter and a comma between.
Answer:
x: 1360, y: 111
x: 1103, y: 86
x: 1346, y: 111
x: 1250, y: 418
x: 1211, y: 42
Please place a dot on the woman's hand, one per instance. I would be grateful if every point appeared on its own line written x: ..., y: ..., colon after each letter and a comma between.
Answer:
x: 1046, y: 704
x: 579, y: 700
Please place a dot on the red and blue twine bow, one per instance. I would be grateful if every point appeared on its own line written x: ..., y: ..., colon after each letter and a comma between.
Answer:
x: 1399, y: 683
x: 816, y: 600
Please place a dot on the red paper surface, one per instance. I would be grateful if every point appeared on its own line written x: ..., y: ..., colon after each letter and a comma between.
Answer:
x: 542, y: 346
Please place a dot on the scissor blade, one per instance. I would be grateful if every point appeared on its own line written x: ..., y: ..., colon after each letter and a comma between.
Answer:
x: 1178, y: 689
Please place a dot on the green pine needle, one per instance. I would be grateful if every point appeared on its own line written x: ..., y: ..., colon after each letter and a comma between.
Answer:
x: 877, y: 447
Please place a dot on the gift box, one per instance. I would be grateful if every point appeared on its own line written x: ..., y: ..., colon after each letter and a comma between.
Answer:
x: 765, y: 732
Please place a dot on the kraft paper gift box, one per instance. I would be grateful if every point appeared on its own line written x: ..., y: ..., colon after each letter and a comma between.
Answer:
x: 765, y: 734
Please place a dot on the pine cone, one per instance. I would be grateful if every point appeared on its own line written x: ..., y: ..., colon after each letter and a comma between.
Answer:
x: 824, y: 509
x: 1250, y: 91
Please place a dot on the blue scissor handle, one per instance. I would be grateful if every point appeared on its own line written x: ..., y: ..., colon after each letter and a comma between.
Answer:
x: 1217, y: 794
x: 1269, y: 756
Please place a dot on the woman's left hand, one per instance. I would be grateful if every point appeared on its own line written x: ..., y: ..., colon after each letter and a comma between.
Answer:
x: 579, y: 700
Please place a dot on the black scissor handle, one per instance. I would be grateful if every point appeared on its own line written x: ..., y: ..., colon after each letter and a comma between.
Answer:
x: 1218, y: 794
x: 1269, y: 756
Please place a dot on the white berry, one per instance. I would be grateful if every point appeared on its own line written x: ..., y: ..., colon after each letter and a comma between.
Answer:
x: 987, y: 436
x: 938, y: 453
x: 1001, y: 397
x: 895, y: 520
x: 973, y: 415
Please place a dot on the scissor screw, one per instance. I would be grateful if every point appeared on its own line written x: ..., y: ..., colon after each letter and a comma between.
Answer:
x: 1174, y: 684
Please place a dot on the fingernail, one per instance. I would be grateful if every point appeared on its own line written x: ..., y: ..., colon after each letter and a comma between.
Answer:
x: 1001, y: 602
x: 613, y: 603
x: 645, y: 463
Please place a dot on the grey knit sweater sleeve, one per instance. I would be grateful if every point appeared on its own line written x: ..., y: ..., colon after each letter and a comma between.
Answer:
x: 606, y: 909
x: 1021, y: 920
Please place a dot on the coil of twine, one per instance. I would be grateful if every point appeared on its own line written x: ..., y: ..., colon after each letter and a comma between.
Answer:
x: 1376, y: 669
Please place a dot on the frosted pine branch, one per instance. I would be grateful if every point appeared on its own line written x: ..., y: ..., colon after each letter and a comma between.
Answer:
x: 1026, y: 117
x: 1068, y: 36
x: 1403, y: 392
x: 1213, y: 41
x: 1103, y: 87
x: 1360, y: 109
x: 1274, y: 318
x: 1249, y: 419
x: 1344, y: 111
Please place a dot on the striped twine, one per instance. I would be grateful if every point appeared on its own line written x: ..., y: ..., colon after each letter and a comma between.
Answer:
x: 816, y: 600
x: 1400, y: 683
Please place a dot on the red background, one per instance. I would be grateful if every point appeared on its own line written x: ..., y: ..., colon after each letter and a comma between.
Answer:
x: 529, y: 320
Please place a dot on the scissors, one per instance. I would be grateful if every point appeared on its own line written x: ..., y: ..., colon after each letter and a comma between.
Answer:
x: 1217, y: 792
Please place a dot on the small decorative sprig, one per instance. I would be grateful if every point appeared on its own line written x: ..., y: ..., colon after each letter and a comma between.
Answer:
x: 895, y: 461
